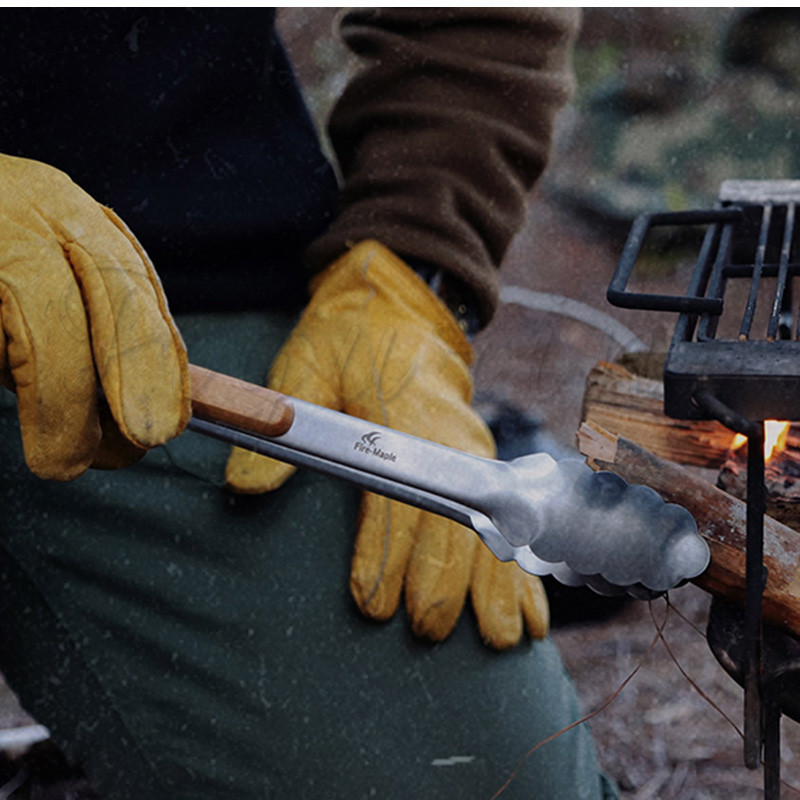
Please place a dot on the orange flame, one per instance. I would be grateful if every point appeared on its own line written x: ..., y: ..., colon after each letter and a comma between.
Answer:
x: 775, y: 434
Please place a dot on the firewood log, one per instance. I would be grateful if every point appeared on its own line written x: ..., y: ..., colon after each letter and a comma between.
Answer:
x: 620, y: 401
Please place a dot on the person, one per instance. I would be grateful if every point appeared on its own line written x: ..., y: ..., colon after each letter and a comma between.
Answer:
x: 183, y: 630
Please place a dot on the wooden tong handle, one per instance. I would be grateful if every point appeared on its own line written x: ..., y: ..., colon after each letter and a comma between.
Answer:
x: 230, y: 401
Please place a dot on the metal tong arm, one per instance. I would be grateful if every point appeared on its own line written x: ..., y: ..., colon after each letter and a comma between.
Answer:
x: 379, y: 459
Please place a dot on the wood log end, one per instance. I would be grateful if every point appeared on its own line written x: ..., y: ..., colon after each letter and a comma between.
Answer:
x: 597, y: 444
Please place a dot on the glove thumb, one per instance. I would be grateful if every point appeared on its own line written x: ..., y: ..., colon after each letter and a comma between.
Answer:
x: 250, y: 473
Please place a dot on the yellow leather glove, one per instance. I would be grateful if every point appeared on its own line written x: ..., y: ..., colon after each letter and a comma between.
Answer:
x: 376, y: 343
x: 81, y: 302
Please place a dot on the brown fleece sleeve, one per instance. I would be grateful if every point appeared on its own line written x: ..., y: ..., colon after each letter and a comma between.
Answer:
x: 442, y: 135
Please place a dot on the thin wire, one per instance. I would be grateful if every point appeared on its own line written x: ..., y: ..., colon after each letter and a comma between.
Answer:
x: 683, y: 672
x: 694, y: 685
x: 604, y: 705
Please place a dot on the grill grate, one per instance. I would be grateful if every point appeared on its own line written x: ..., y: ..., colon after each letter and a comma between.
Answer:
x: 737, y: 334
x: 735, y: 357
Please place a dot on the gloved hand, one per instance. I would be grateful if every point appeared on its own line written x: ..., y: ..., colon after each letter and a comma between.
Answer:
x: 376, y: 343
x: 80, y: 301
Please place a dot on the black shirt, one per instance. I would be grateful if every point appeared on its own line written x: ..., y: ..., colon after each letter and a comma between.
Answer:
x: 189, y: 123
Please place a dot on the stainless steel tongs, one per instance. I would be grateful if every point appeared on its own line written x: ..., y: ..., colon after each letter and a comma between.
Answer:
x: 552, y: 517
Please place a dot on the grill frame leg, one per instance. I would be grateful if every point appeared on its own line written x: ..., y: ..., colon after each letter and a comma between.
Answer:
x: 761, y: 719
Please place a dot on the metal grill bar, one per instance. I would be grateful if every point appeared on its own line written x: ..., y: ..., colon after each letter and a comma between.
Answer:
x: 755, y: 572
x: 755, y: 580
x: 767, y: 271
x: 755, y: 282
x: 783, y: 272
x: 703, y: 270
x: 618, y: 294
x: 707, y: 329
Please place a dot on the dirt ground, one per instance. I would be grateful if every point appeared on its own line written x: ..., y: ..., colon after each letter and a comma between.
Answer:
x: 659, y: 738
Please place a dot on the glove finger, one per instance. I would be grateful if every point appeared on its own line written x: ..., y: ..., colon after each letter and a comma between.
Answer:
x: 535, y: 606
x: 112, y: 451
x: 51, y: 366
x: 138, y: 352
x: 383, y: 544
x: 495, y: 599
x: 437, y: 578
x: 251, y: 473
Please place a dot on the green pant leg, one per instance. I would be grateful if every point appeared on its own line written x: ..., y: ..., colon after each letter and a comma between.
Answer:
x: 184, y: 643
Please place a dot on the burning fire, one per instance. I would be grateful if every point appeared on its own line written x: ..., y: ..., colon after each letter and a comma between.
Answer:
x: 775, y: 434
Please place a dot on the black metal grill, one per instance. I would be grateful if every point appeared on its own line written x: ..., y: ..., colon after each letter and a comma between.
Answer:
x: 735, y: 357
x: 748, y: 361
